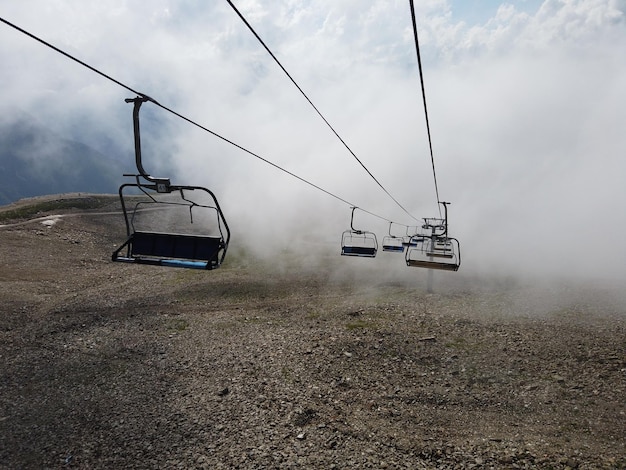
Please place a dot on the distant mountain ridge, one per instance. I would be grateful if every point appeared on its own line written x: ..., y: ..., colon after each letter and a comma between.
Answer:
x: 35, y: 161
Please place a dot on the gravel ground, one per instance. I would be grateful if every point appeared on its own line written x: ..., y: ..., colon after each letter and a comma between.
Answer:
x: 107, y: 365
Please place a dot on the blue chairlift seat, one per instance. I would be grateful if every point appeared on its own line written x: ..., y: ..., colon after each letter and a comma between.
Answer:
x: 172, y: 250
x: 359, y: 243
x: 393, y: 244
x: 359, y: 251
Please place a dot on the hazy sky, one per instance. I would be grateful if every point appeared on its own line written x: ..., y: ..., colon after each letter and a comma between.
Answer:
x: 526, y: 99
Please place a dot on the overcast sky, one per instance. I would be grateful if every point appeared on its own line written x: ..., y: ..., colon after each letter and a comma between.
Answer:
x: 526, y: 99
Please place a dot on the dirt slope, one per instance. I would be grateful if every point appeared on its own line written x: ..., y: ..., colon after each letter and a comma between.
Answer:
x: 106, y: 365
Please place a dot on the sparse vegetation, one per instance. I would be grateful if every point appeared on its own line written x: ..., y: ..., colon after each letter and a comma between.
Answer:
x: 35, y: 207
x: 178, y: 324
x: 357, y: 324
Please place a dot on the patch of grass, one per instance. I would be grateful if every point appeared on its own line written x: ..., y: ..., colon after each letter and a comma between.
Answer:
x: 565, y: 313
x: 457, y: 343
x: 178, y: 324
x: 313, y: 315
x: 287, y: 374
x: 226, y: 327
x: 37, y: 208
x: 232, y: 290
x: 359, y: 324
x: 460, y: 343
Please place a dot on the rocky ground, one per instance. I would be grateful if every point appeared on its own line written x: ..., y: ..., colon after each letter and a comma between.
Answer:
x: 106, y: 365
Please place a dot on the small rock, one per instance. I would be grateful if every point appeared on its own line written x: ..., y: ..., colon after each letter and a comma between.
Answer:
x: 428, y: 338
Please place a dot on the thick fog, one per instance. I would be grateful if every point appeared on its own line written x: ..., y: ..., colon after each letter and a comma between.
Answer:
x: 526, y: 103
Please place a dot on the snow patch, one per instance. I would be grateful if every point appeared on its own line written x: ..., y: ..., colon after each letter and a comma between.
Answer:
x: 51, y: 220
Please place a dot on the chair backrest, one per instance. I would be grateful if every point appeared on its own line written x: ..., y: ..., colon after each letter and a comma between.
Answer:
x: 369, y: 252
x: 435, y: 254
x: 168, y: 245
x: 432, y: 265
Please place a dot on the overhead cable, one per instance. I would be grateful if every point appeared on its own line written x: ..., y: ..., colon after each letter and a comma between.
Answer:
x: 315, y: 108
x: 190, y: 121
x: 419, y: 66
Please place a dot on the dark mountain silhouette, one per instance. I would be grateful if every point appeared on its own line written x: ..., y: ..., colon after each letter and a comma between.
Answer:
x: 35, y: 161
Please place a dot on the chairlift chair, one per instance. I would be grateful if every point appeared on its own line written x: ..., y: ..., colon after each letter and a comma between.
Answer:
x: 153, y: 207
x: 358, y: 242
x: 407, y: 240
x: 429, y: 253
x: 393, y: 243
x: 434, y: 249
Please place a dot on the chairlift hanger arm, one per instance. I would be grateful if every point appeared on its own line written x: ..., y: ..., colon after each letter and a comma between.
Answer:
x: 352, y: 222
x: 162, y: 184
x: 445, y: 212
x: 397, y: 236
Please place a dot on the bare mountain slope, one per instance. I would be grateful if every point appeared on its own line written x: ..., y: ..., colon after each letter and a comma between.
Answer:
x: 108, y: 365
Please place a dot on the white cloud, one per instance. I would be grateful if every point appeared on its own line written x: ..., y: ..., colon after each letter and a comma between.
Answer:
x: 526, y: 112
